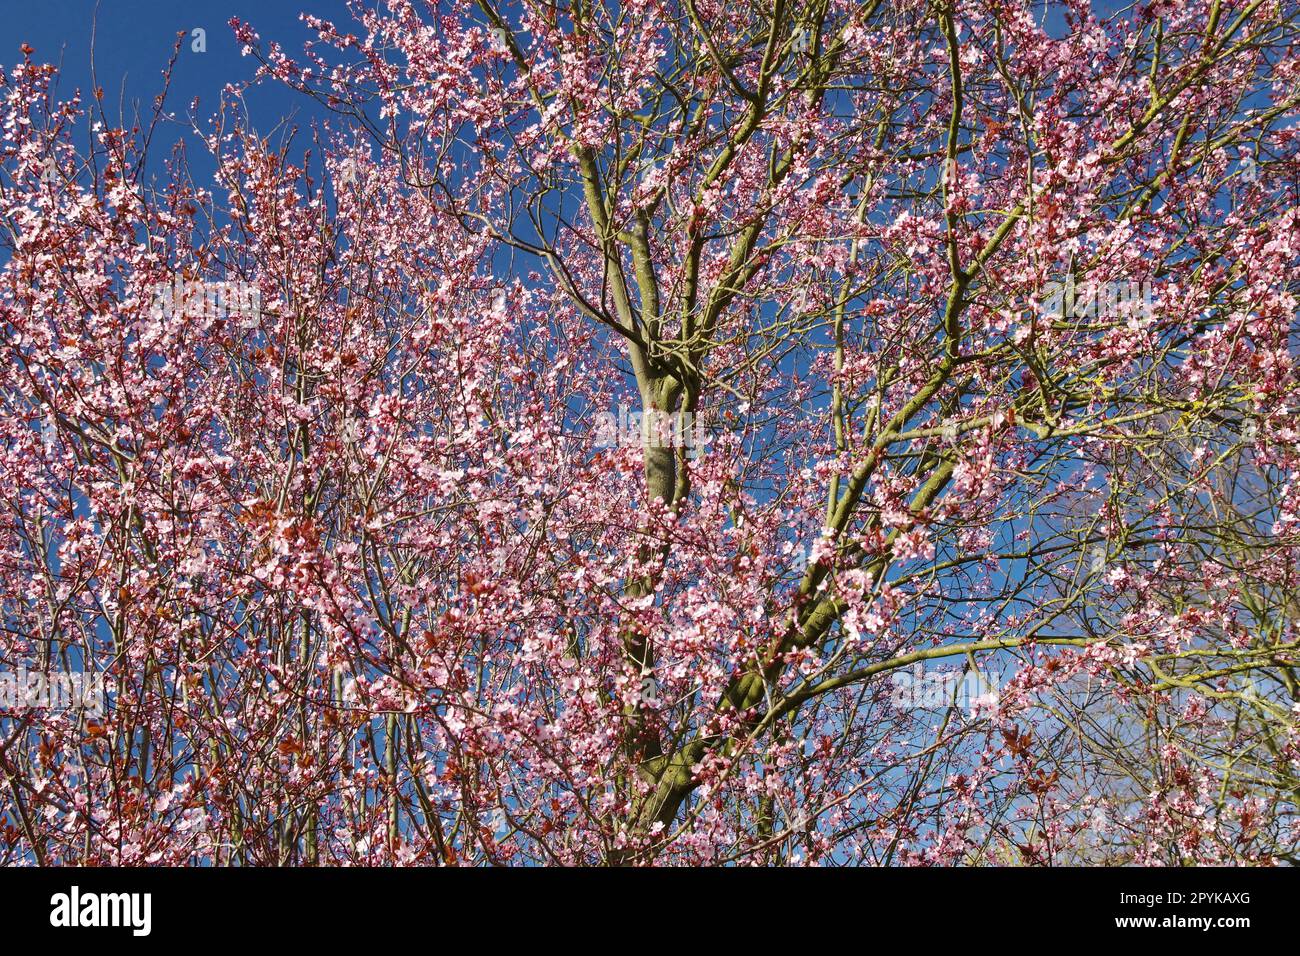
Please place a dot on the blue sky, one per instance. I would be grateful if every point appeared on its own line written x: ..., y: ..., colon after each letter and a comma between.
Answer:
x: 133, y: 40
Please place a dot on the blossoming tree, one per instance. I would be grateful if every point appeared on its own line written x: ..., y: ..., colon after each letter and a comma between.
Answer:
x: 970, y: 534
